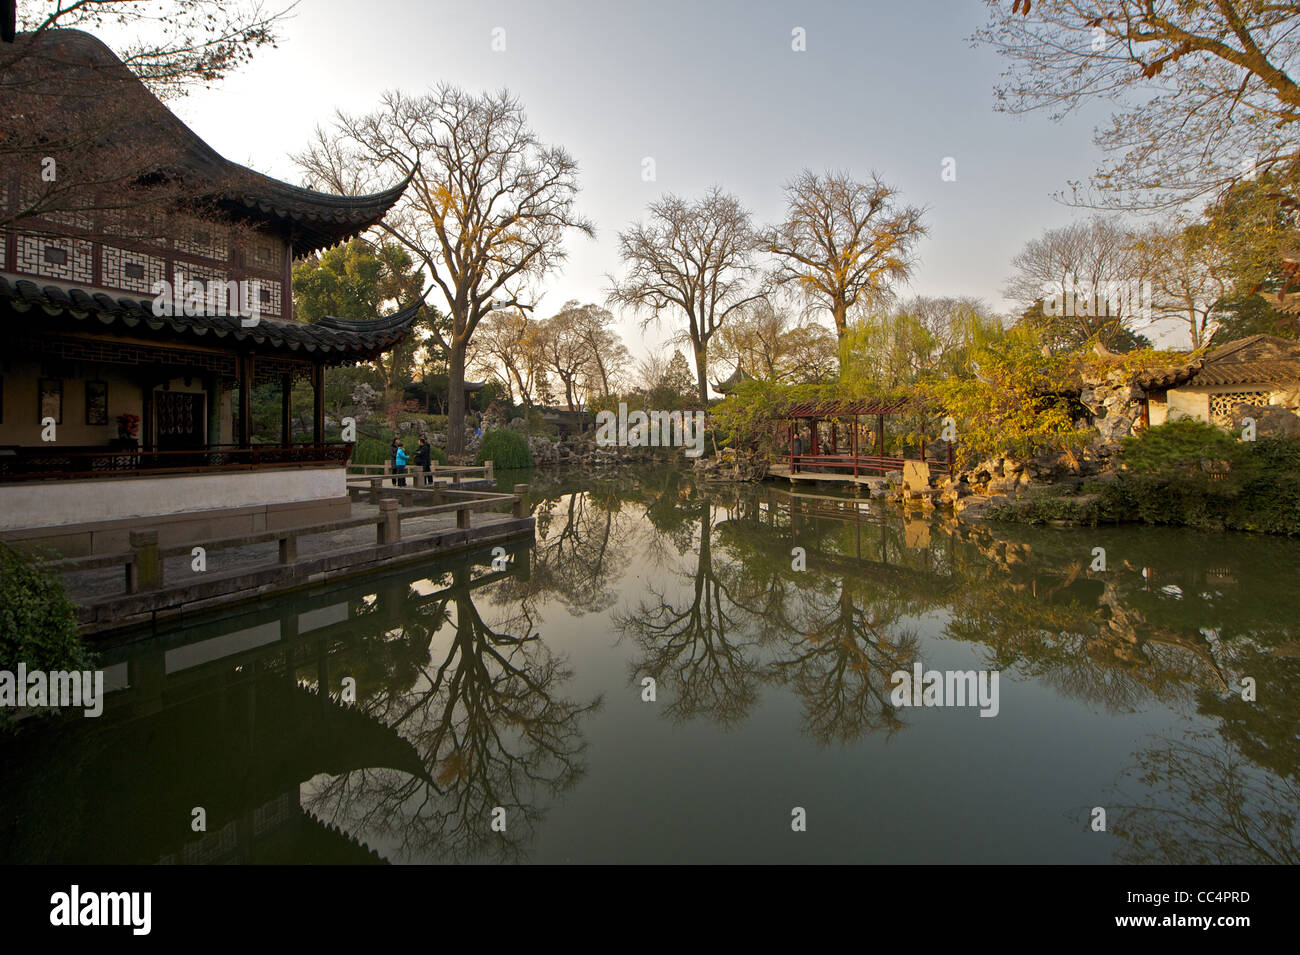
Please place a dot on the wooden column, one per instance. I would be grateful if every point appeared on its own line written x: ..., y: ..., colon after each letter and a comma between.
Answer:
x: 215, y: 394
x: 286, y: 393
x: 245, y: 401
x: 318, y: 396
x: 880, y: 435
x: 853, y: 448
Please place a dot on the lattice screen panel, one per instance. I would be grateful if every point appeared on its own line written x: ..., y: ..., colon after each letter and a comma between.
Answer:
x: 1221, y: 406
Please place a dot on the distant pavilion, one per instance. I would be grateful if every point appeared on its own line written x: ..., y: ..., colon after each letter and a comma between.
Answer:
x: 824, y: 456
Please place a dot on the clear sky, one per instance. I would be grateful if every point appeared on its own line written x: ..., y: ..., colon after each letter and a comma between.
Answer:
x: 712, y: 90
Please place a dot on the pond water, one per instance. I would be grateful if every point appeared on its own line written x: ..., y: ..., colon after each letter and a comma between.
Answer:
x: 501, y: 710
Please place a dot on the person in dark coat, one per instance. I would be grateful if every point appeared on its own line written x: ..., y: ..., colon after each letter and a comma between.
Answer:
x: 392, y: 455
x: 424, y: 460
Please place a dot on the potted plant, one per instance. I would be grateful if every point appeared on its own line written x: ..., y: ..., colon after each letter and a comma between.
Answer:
x: 128, y: 427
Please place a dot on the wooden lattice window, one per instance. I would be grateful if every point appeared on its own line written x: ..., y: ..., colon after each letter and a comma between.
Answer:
x: 1221, y: 406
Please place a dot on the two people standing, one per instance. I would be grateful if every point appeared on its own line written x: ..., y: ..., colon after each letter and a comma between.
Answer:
x: 423, y: 461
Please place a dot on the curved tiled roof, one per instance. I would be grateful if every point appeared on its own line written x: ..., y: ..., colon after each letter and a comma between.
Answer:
x: 1255, y: 358
x: 729, y: 385
x: 316, y: 220
x: 1241, y: 373
x: 330, y: 339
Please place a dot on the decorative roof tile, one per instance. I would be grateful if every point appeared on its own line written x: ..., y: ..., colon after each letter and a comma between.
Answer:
x: 333, y: 340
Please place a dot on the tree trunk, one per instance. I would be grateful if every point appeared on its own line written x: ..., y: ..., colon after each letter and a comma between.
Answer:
x: 456, y: 398
x: 702, y: 371
x: 841, y: 313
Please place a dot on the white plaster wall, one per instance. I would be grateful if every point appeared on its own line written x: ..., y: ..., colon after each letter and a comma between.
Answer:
x: 1188, y: 403
x: 53, y: 503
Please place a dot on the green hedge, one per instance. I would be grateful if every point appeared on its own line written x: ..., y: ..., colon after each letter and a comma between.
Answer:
x: 506, y: 449
x: 38, y: 623
x: 1165, y: 483
x: 1180, y: 446
x: 1253, y: 499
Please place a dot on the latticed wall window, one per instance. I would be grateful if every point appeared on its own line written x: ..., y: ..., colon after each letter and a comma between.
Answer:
x: 1221, y: 406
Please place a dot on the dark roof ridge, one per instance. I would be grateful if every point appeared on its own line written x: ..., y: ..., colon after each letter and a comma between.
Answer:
x: 1233, y: 347
x: 102, y: 313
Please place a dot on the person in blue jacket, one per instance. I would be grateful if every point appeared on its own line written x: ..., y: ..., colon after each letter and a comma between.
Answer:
x: 399, y: 464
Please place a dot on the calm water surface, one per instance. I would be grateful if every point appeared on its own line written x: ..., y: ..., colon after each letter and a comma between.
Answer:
x: 515, y: 693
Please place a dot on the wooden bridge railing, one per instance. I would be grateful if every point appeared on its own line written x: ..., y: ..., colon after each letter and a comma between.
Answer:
x: 846, y: 463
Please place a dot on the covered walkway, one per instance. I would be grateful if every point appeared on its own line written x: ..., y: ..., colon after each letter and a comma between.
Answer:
x: 833, y: 451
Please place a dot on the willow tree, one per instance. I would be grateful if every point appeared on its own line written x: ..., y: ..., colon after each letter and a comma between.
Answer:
x: 843, y: 242
x: 485, y: 212
x: 692, y: 257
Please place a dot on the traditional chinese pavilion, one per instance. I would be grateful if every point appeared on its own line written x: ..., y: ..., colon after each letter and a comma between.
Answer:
x: 151, y: 413
x: 833, y: 449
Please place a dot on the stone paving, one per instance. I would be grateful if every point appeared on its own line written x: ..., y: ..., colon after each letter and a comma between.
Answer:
x: 110, y: 581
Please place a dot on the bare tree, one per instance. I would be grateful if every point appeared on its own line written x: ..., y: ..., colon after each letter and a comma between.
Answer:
x: 1204, y: 90
x: 564, y: 352
x: 506, y: 349
x: 843, y: 241
x: 486, y: 210
x: 608, y: 358
x: 694, y: 256
x: 810, y: 353
x: 175, y: 46
x: 1078, y: 270
x: 1188, y: 274
x: 769, y: 343
x: 752, y: 340
x: 651, y: 369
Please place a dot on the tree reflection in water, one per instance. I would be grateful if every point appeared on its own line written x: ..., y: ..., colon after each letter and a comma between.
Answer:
x: 700, y: 582
x: 696, y: 647
x: 1166, y: 625
x: 1202, y: 803
x: 488, y: 716
x: 467, y: 705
